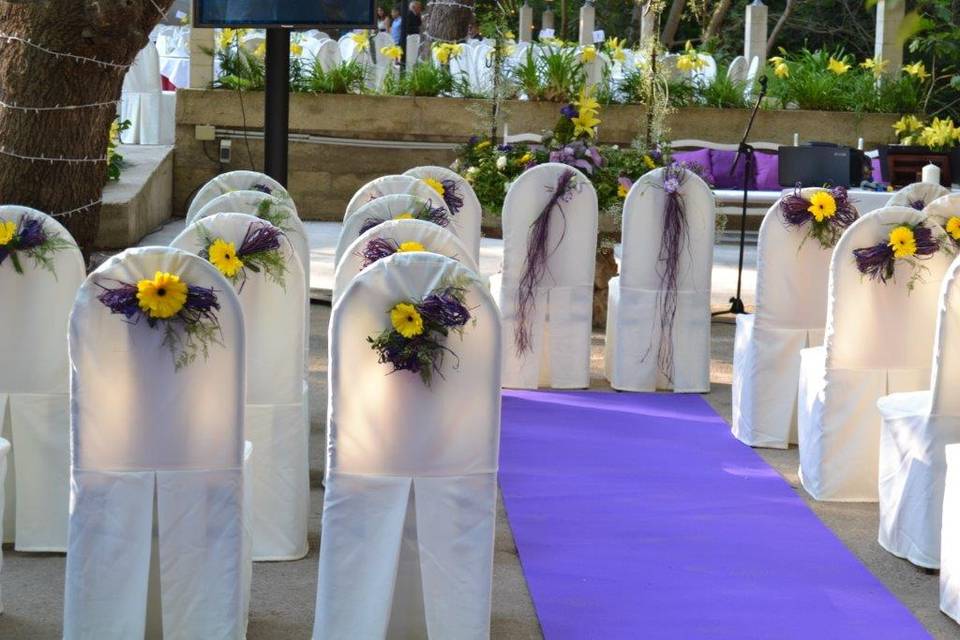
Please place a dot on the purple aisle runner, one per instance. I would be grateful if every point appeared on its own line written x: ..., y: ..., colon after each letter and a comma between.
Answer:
x: 639, y: 516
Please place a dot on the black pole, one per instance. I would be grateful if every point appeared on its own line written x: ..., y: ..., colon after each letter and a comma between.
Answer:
x: 277, y: 104
x: 746, y: 152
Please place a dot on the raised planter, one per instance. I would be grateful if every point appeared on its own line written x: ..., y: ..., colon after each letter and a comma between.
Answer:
x: 140, y: 201
x: 324, y: 176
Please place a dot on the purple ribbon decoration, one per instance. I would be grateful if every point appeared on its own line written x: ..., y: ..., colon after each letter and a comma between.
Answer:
x: 878, y: 262
x: 537, y: 255
x: 451, y: 196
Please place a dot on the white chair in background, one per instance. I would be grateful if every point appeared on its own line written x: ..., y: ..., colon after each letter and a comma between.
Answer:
x: 157, y: 468
x: 411, y: 477
x: 263, y: 205
x: 276, y: 417
x: 382, y: 66
x: 150, y: 110
x: 388, y: 185
x: 34, y: 388
x: 435, y: 239
x: 753, y: 72
x: 916, y: 428
x: 943, y: 208
x: 793, y: 271
x: 878, y: 340
x: 950, y: 536
x: 328, y: 55
x: 635, y: 334
x: 237, y: 181
x: 917, y: 195
x: 4, y: 453
x: 469, y: 218
x: 737, y: 71
x: 560, y: 320
x: 391, y: 207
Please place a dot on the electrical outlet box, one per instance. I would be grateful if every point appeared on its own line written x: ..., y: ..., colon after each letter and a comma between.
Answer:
x: 206, y: 132
x: 225, y: 149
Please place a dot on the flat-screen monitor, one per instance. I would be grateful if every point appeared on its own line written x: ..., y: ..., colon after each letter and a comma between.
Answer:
x: 288, y: 13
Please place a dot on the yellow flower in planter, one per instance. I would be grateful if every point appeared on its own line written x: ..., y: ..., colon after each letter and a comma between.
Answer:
x: 585, y: 123
x: 615, y: 49
x: 838, y: 67
x: 822, y: 206
x: 163, y: 297
x: 907, y: 124
x: 918, y: 70
x: 942, y: 132
x: 586, y: 103
x: 296, y: 49
x: 406, y: 320
x: 361, y: 40
x: 589, y: 53
x: 903, y: 242
x: 410, y: 246
x: 953, y: 227
x: 648, y: 162
x: 690, y: 60
x: 781, y: 70
x: 622, y: 191
x: 877, y: 65
x: 261, y: 50
x: 394, y: 52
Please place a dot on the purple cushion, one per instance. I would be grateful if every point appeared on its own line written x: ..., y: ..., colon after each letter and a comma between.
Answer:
x: 768, y: 172
x: 721, y: 162
x: 699, y: 156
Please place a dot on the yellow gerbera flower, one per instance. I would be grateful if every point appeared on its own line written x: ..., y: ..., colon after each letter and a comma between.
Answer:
x: 902, y: 241
x: 406, y: 215
x: 918, y: 70
x: 394, y: 52
x: 822, y: 206
x: 436, y: 185
x: 589, y: 53
x: 953, y: 227
x: 162, y: 297
x: 406, y: 320
x: 223, y: 255
x: 838, y: 67
x: 8, y: 229
x: 410, y: 245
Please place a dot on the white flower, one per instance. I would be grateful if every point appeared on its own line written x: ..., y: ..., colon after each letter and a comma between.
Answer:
x: 501, y: 162
x: 472, y: 173
x: 456, y: 165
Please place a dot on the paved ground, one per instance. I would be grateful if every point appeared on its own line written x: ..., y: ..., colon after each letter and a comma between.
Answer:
x: 283, y: 593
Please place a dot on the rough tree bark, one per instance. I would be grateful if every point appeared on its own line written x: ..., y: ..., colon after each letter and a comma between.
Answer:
x: 669, y: 34
x: 716, y: 20
x: 780, y: 23
x: 446, y: 22
x: 113, y: 31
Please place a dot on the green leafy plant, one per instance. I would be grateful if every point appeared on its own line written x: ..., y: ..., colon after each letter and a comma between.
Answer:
x: 722, y: 92
x: 424, y: 79
x: 346, y: 77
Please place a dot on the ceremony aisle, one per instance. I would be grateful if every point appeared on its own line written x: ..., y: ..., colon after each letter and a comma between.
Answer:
x: 640, y: 516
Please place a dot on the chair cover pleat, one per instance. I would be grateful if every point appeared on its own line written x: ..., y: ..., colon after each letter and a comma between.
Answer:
x: 634, y: 331
x: 34, y: 383
x: 469, y: 219
x: 140, y: 430
x: 793, y: 271
x: 561, y: 319
x: 410, y: 503
x: 877, y: 341
x: 435, y: 239
x: 950, y: 536
x: 236, y: 181
x: 275, y: 416
x: 392, y: 185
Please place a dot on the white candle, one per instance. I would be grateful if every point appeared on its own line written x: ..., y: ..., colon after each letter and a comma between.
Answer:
x: 796, y: 139
x: 860, y: 144
x: 931, y: 174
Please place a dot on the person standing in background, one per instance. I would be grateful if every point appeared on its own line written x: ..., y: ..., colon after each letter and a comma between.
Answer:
x: 396, y: 25
x: 384, y: 23
x: 413, y: 17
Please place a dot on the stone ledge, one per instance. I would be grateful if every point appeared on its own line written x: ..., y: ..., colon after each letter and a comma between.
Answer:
x: 141, y: 200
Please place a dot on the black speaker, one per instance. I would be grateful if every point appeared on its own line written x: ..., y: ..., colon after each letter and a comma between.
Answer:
x: 817, y: 164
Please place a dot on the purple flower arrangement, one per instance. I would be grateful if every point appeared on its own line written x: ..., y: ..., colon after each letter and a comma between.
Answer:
x: 905, y: 243
x: 259, y: 252
x: 825, y: 214
x: 28, y: 237
x: 452, y: 196
x: 579, y: 154
x: 416, y: 340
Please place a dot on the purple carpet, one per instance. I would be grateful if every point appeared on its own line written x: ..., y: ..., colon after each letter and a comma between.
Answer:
x: 639, y: 516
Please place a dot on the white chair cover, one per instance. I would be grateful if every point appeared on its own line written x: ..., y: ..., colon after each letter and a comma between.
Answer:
x: 791, y: 313
x: 252, y: 203
x: 150, y: 110
x: 435, y: 239
x: 34, y: 387
x: 237, y: 181
x: 950, y: 534
x: 737, y: 71
x: 561, y: 322
x: 276, y: 418
x: 916, y: 427
x: 4, y: 452
x: 634, y: 334
x: 388, y: 185
x: 383, y: 208
x: 468, y: 220
x: 328, y: 55
x: 147, y: 438
x: 410, y: 503
x: 917, y: 195
x: 878, y: 340
x: 943, y: 208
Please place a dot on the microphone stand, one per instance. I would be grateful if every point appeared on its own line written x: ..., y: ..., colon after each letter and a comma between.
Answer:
x: 745, y: 151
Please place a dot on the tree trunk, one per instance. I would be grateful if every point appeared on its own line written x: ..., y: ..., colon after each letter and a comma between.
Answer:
x: 673, y: 22
x: 716, y: 20
x: 780, y: 23
x: 445, y: 23
x: 110, y: 31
